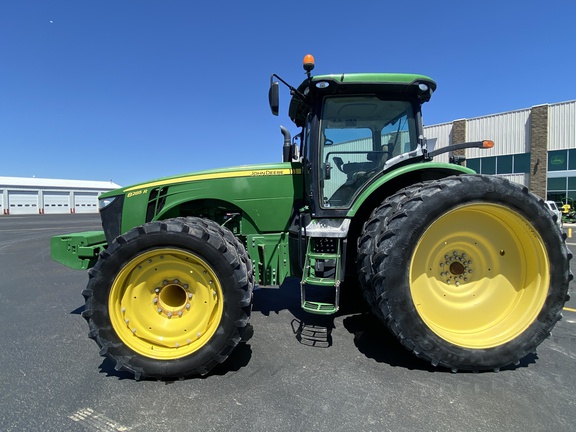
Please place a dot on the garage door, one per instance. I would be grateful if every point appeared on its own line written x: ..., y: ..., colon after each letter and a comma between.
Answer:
x: 23, y: 202
x: 56, y: 202
x: 86, y: 202
x: 2, y: 209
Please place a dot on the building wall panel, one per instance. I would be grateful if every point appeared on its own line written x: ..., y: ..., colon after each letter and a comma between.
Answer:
x: 562, y: 126
x: 522, y: 179
x: 439, y: 136
x: 510, y: 132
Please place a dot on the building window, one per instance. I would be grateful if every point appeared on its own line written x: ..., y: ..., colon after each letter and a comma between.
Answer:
x: 507, y: 164
x: 504, y: 164
x: 473, y: 164
x: 572, y: 159
x: 488, y: 165
x: 558, y: 160
x: 522, y: 163
x: 557, y: 184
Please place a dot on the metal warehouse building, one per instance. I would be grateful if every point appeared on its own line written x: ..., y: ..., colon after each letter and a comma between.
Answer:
x: 19, y: 195
x: 535, y: 147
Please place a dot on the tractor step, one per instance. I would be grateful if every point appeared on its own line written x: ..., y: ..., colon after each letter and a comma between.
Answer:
x: 319, y: 308
x: 322, y: 269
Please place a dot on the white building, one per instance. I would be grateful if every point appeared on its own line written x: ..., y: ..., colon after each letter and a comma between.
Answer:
x: 20, y: 195
x: 534, y: 146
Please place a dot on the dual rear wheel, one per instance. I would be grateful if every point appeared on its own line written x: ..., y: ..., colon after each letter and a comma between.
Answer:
x: 469, y: 272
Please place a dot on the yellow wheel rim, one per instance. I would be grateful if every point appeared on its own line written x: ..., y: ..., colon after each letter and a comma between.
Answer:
x: 479, y: 275
x: 166, y: 303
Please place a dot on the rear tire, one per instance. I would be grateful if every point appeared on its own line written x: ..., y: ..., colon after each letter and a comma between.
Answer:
x: 469, y: 272
x: 170, y: 299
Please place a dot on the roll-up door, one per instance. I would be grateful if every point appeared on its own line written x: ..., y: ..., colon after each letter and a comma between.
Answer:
x: 86, y: 202
x: 23, y: 202
x: 56, y: 202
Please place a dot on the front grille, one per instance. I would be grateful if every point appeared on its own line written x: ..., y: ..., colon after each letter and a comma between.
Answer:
x: 112, y: 219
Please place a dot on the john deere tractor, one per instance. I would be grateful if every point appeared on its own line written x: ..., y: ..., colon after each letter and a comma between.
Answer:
x: 468, y: 271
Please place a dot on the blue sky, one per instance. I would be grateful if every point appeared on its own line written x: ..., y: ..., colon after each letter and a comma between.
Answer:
x: 131, y: 90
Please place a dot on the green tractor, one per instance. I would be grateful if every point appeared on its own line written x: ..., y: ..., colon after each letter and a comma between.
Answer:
x: 469, y: 272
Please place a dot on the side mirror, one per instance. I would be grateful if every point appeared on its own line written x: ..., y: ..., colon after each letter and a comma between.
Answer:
x: 274, y: 97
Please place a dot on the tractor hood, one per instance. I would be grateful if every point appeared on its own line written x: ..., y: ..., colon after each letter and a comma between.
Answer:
x: 260, y: 170
x: 262, y: 197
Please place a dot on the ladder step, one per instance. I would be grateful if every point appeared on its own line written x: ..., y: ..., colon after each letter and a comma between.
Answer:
x: 327, y: 282
x: 323, y: 255
x: 319, y: 308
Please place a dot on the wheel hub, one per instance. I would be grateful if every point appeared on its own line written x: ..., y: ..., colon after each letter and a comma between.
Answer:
x: 172, y: 298
x: 456, y: 268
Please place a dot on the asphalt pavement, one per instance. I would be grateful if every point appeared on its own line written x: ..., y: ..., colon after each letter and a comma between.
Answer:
x: 352, y: 377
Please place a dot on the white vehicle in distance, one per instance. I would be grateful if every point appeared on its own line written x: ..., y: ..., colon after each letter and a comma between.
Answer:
x: 555, y: 210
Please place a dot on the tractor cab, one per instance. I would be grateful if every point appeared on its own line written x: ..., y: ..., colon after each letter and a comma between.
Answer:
x: 355, y: 127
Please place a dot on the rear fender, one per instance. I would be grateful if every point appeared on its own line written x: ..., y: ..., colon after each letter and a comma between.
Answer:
x: 398, y: 178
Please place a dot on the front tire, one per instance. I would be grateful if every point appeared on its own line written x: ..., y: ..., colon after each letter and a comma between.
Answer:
x: 170, y: 299
x: 469, y: 272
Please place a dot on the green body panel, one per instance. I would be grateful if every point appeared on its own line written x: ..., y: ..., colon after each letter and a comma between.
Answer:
x: 263, y: 194
x: 271, y: 257
x: 402, y: 171
x: 78, y: 250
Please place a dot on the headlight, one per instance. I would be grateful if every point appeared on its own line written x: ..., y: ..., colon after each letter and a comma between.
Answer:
x: 105, y: 202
